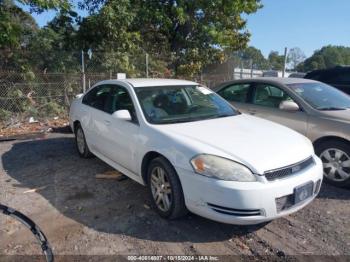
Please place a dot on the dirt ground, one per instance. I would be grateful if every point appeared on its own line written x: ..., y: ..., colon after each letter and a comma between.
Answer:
x: 82, y: 215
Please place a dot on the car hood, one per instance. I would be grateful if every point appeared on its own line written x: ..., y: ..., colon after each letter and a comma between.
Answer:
x: 257, y: 143
x: 341, y: 115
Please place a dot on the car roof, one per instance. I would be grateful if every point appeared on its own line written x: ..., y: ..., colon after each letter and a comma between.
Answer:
x: 147, y: 82
x: 270, y: 80
x: 282, y: 80
x: 331, y: 69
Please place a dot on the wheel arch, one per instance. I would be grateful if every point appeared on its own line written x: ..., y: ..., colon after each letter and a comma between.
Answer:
x: 75, y: 125
x: 146, y: 160
x: 324, y: 139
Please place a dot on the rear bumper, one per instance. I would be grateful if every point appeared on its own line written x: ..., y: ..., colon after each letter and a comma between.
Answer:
x: 247, y: 203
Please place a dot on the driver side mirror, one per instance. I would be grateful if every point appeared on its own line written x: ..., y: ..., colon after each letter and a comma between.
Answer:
x: 289, y: 106
x: 122, y: 115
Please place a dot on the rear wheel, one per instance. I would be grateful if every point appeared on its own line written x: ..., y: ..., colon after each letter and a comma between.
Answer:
x: 335, y: 156
x: 165, y: 189
x: 80, y: 141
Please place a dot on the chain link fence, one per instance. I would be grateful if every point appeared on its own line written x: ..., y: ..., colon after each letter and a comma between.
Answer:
x: 48, y: 90
x: 42, y: 96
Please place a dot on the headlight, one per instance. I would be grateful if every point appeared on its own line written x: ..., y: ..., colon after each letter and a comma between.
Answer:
x: 221, y: 168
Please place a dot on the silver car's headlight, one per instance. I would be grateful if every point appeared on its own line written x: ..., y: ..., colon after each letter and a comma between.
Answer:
x: 221, y: 168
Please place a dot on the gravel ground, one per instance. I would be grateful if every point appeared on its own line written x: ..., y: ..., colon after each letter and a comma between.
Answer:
x: 82, y: 215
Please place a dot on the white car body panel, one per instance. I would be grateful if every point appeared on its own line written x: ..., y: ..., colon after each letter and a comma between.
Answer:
x: 243, y: 138
x: 259, y: 144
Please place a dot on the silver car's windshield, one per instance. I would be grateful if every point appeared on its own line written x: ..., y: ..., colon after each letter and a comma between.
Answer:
x: 322, y: 96
x: 175, y: 104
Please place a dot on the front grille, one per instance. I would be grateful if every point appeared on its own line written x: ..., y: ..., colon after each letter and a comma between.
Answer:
x: 289, y: 170
x: 234, y: 211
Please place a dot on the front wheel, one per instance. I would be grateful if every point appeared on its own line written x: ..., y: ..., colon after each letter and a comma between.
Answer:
x: 335, y: 156
x: 81, y: 144
x: 165, y: 189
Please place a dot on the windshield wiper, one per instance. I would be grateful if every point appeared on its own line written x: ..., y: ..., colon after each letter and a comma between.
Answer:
x: 224, y: 116
x: 331, y: 108
x: 184, y: 120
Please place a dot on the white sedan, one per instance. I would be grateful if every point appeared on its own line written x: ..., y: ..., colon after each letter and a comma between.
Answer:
x: 195, y: 152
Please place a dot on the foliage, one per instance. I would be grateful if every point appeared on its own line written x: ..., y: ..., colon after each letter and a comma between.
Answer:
x: 327, y: 56
x: 255, y: 55
x: 41, y: 5
x: 182, y: 36
x: 4, y: 114
x: 193, y: 32
x: 276, y: 61
x: 16, y: 30
x: 51, y: 108
x: 16, y: 26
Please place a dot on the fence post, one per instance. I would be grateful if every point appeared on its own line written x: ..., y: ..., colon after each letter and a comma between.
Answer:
x: 83, y: 71
x: 241, y: 73
x: 146, y: 65
x: 251, y: 68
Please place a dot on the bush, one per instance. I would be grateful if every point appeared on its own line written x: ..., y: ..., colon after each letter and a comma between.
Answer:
x: 52, y: 109
x: 4, y: 115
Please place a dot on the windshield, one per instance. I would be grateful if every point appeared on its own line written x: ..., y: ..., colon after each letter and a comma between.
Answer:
x: 175, y: 104
x: 322, y: 96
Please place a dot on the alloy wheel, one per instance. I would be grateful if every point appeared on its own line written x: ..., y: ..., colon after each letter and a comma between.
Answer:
x: 161, y: 189
x: 336, y: 164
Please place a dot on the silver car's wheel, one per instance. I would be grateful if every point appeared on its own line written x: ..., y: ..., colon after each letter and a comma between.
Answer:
x: 80, y: 141
x: 161, y: 189
x: 336, y: 164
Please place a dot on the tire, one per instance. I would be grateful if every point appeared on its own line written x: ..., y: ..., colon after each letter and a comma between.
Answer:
x: 171, y: 186
x: 80, y: 142
x: 332, y: 161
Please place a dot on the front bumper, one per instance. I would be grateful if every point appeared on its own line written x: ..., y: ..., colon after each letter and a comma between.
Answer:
x: 245, y: 203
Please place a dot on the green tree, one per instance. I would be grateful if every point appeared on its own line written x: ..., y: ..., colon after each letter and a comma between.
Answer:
x: 194, y: 32
x: 16, y: 26
x: 326, y: 57
x: 41, y: 5
x: 188, y: 34
x: 14, y: 22
x: 16, y: 31
x: 276, y: 61
x: 255, y: 55
x: 110, y: 34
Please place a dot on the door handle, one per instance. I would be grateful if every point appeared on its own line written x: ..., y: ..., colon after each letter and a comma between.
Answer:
x: 107, y: 122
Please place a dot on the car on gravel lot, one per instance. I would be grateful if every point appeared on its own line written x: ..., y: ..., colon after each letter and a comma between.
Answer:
x: 314, y: 109
x: 195, y: 152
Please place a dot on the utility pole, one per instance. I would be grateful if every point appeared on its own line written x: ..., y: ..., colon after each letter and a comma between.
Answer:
x: 146, y: 65
x: 83, y: 71
x: 285, y: 62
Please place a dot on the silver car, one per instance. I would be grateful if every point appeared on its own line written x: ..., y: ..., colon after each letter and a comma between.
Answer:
x: 314, y: 109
